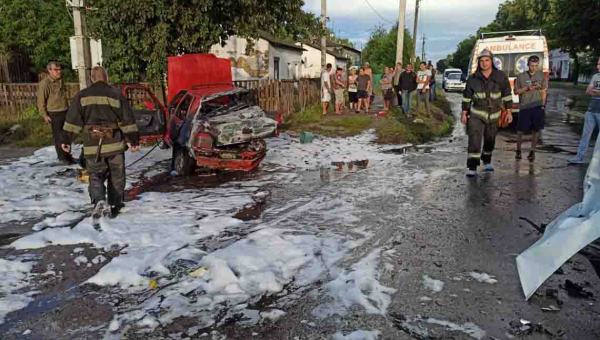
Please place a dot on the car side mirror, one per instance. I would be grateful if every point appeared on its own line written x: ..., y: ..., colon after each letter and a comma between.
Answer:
x: 149, y: 105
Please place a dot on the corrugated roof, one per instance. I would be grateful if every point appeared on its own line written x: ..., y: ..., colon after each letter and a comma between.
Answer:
x: 278, y: 42
x: 338, y: 56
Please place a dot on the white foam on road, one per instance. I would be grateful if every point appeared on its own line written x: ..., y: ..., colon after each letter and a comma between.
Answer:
x: 483, y: 277
x: 14, y: 277
x: 38, y: 185
x: 287, y: 151
x: 434, y: 285
x: 358, y: 286
x: 358, y: 335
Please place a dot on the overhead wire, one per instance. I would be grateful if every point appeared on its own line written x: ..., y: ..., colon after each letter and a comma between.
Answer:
x: 375, y: 11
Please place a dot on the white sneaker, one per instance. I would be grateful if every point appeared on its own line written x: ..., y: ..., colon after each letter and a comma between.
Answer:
x: 576, y: 161
x: 471, y: 173
x: 489, y: 168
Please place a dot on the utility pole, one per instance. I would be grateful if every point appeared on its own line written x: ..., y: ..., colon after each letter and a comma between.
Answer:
x: 324, y: 37
x: 415, y: 31
x: 84, y: 57
x: 400, y: 38
x: 423, y: 49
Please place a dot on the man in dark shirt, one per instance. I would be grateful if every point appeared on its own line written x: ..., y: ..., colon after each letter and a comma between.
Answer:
x: 408, y: 84
x: 364, y: 88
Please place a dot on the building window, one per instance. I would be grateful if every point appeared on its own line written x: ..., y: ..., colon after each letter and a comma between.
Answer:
x: 276, y: 68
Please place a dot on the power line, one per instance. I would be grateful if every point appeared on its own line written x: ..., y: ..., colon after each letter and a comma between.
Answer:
x: 379, y: 15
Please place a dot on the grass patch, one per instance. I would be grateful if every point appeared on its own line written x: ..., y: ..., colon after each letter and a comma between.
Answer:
x: 34, y: 132
x: 567, y: 85
x: 351, y: 123
x: 311, y: 114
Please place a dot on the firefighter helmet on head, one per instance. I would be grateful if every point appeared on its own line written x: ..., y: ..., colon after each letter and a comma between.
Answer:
x: 486, y: 53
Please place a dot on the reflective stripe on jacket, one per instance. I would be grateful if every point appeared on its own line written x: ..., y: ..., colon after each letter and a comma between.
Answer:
x: 486, y: 97
x: 101, y: 105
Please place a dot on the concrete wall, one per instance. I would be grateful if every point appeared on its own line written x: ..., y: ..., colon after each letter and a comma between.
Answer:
x: 289, y: 62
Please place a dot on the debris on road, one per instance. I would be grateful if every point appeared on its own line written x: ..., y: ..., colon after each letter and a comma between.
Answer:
x: 526, y: 328
x: 576, y: 290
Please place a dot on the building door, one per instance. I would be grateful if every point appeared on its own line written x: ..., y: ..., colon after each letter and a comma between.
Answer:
x: 276, y: 68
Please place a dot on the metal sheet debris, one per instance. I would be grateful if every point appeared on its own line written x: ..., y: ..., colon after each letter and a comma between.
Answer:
x: 564, y: 237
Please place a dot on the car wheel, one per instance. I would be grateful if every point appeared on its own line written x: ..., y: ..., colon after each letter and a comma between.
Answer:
x: 183, y: 163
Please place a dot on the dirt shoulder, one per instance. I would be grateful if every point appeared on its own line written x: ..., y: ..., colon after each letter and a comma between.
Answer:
x: 393, y: 127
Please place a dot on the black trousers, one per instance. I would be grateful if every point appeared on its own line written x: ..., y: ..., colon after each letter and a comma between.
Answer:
x: 478, y: 129
x: 109, y: 169
x: 57, y: 123
x: 398, y: 95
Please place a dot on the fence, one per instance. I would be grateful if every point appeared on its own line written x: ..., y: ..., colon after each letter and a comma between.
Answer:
x: 284, y: 96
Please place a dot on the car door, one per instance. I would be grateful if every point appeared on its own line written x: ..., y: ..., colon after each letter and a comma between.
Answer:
x: 150, y: 115
x: 179, y: 108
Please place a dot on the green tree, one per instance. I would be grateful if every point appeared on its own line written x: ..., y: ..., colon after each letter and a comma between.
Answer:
x: 462, y: 57
x: 380, y: 50
x: 40, y: 29
x: 142, y: 34
x: 441, y: 65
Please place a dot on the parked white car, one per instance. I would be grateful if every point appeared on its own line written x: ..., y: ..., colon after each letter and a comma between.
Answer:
x: 455, y: 82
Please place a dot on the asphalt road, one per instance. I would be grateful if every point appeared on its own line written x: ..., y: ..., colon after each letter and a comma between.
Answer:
x: 445, y: 227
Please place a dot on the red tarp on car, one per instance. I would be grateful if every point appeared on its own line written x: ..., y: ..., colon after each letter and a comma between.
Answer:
x: 193, y: 70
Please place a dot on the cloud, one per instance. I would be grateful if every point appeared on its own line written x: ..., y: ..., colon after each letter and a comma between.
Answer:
x: 445, y: 23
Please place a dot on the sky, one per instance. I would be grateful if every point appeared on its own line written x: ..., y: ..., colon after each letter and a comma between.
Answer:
x: 445, y: 23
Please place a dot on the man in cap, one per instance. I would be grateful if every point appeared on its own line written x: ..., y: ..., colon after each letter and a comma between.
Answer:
x: 107, y: 121
x: 531, y: 87
x: 486, y: 94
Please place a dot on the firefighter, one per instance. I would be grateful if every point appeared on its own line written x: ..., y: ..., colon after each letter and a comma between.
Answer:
x: 107, y: 122
x: 487, y: 92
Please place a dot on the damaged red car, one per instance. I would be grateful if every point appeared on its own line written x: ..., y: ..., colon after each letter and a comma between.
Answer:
x: 208, y: 122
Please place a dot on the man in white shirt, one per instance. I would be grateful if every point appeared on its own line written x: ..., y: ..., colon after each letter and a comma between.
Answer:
x: 592, y: 117
x: 326, y: 88
x: 423, y: 78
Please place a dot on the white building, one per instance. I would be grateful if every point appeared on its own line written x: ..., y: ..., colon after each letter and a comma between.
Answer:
x: 311, y: 61
x: 560, y: 64
x: 268, y: 58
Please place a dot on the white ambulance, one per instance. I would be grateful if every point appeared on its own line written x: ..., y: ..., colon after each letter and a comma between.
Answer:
x: 511, y: 51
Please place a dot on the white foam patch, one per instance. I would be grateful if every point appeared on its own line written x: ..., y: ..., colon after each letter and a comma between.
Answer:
x: 432, y: 284
x: 15, y: 276
x: 418, y: 326
x: 79, y: 260
x: 287, y: 151
x: 38, y: 185
x: 358, y: 286
x: 63, y: 219
x: 483, y: 277
x: 273, y: 315
x: 358, y: 335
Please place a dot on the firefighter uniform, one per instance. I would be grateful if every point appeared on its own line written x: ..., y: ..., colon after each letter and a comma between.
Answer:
x: 483, y: 99
x: 107, y: 122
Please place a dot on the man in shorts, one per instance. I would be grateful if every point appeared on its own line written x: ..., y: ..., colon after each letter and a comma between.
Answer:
x: 326, y: 88
x: 532, y: 89
x: 364, y: 88
x: 340, y: 87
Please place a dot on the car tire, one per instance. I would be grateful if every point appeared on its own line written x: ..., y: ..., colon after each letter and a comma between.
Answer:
x: 183, y: 163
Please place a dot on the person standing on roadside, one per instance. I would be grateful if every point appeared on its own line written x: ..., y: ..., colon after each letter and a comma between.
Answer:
x: 326, y: 88
x: 364, y: 86
x: 432, y: 85
x: 592, y: 117
x: 424, y: 76
x: 387, y: 88
x: 408, y: 85
x: 353, y: 89
x: 532, y: 88
x: 397, y: 72
x: 369, y: 72
x: 487, y: 92
x: 52, y: 104
x: 339, y: 89
x: 107, y: 122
